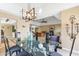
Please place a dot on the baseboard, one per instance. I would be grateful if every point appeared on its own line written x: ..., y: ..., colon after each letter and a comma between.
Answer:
x: 68, y: 50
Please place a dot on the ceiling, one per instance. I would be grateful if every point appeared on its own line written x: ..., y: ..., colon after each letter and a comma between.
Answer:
x: 9, y: 21
x: 49, y: 11
x: 48, y: 21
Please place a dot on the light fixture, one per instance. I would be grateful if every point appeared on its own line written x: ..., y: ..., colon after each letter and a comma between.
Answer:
x: 74, y: 27
x: 28, y: 15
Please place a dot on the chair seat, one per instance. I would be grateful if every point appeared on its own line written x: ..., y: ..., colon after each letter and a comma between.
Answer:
x: 24, y: 53
x: 19, y: 51
x: 14, y: 49
x: 54, y: 54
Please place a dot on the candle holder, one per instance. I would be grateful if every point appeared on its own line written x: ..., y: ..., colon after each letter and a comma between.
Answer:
x: 72, y: 31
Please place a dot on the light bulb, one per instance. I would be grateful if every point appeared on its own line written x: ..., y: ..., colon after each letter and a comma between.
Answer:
x: 21, y: 45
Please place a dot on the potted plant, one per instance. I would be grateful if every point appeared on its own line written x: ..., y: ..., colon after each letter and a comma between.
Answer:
x: 13, y: 31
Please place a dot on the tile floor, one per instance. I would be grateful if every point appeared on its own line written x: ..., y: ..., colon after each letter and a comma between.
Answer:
x: 61, y: 51
x: 66, y: 53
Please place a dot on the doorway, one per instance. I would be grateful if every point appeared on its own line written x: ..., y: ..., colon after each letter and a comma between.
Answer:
x: 7, y: 30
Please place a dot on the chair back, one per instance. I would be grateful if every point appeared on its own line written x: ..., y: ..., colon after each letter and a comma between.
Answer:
x: 6, y: 43
x: 53, y: 40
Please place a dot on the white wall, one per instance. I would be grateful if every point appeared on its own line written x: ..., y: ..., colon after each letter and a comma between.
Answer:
x: 23, y: 30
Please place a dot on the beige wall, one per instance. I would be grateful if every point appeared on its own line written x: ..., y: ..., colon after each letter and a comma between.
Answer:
x: 7, y: 29
x: 0, y: 33
x: 65, y: 15
x: 47, y: 27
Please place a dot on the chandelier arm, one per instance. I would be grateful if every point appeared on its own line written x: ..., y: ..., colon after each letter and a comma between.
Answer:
x: 30, y: 15
x: 31, y: 10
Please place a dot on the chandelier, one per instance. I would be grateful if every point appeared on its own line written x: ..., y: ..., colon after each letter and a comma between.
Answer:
x: 28, y: 15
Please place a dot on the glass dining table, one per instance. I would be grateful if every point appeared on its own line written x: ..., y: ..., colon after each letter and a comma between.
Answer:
x: 36, y: 48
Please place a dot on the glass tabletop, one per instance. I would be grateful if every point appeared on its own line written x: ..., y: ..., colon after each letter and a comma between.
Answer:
x: 37, y: 48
